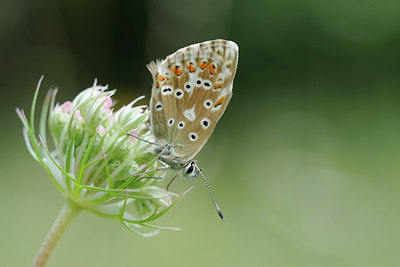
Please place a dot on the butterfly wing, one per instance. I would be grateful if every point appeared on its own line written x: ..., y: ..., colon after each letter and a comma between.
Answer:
x: 191, y: 90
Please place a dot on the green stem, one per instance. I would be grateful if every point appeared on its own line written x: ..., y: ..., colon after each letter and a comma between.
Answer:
x: 59, y: 226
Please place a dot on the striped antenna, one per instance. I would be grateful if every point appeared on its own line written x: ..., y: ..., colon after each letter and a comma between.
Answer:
x: 209, y: 190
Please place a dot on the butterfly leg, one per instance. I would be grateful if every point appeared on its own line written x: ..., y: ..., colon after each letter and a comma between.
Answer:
x: 167, y: 188
x: 149, y: 177
x: 164, y: 169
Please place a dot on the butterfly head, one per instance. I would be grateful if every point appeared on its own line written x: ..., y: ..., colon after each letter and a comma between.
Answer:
x: 186, y: 169
x: 190, y: 170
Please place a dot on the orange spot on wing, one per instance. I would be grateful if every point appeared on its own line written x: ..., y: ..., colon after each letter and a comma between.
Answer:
x: 191, y: 68
x: 161, y: 78
x: 158, y: 84
x: 212, y: 69
x: 219, y: 85
x: 219, y: 102
x: 203, y: 65
x: 166, y: 77
x: 177, y: 71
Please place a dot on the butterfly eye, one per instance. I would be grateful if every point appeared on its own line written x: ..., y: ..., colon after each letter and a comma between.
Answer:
x: 181, y: 125
x: 178, y: 93
x: 208, y: 104
x: 191, y: 170
x: 207, y: 85
x: 171, y: 122
x: 205, y: 123
x: 159, y: 106
x: 193, y: 136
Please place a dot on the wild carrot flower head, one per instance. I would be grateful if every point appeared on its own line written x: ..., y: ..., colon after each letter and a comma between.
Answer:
x: 94, y: 163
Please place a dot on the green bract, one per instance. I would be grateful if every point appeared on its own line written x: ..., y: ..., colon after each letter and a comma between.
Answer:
x: 94, y: 163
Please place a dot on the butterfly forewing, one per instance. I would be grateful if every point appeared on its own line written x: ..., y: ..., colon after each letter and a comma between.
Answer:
x: 191, y: 90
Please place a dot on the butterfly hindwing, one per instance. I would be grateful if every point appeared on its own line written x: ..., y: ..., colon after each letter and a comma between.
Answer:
x: 191, y: 90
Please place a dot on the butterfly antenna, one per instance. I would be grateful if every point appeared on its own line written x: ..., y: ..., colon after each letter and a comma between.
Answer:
x: 209, y: 190
x: 141, y: 139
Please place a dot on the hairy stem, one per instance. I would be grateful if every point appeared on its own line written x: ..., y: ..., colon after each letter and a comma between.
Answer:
x: 67, y: 212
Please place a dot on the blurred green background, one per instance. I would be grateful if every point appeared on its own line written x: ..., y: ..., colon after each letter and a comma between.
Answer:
x: 304, y: 163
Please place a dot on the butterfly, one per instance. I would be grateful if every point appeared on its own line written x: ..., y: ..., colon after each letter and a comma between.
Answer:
x: 191, y: 90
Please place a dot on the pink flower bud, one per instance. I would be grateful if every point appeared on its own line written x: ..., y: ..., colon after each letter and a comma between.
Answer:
x: 77, y: 115
x: 131, y: 138
x: 101, y: 130
x: 107, y: 105
x: 64, y: 108
x: 142, y: 167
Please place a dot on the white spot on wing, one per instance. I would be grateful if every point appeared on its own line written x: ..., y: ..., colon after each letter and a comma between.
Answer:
x: 207, y: 84
x: 220, y: 78
x: 166, y: 90
x: 208, y: 103
x: 178, y: 93
x: 181, y: 125
x: 158, y: 106
x: 205, y: 123
x: 219, y: 49
x: 188, y: 87
x: 171, y: 122
x: 189, y: 114
x: 199, y: 81
x: 193, y: 136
